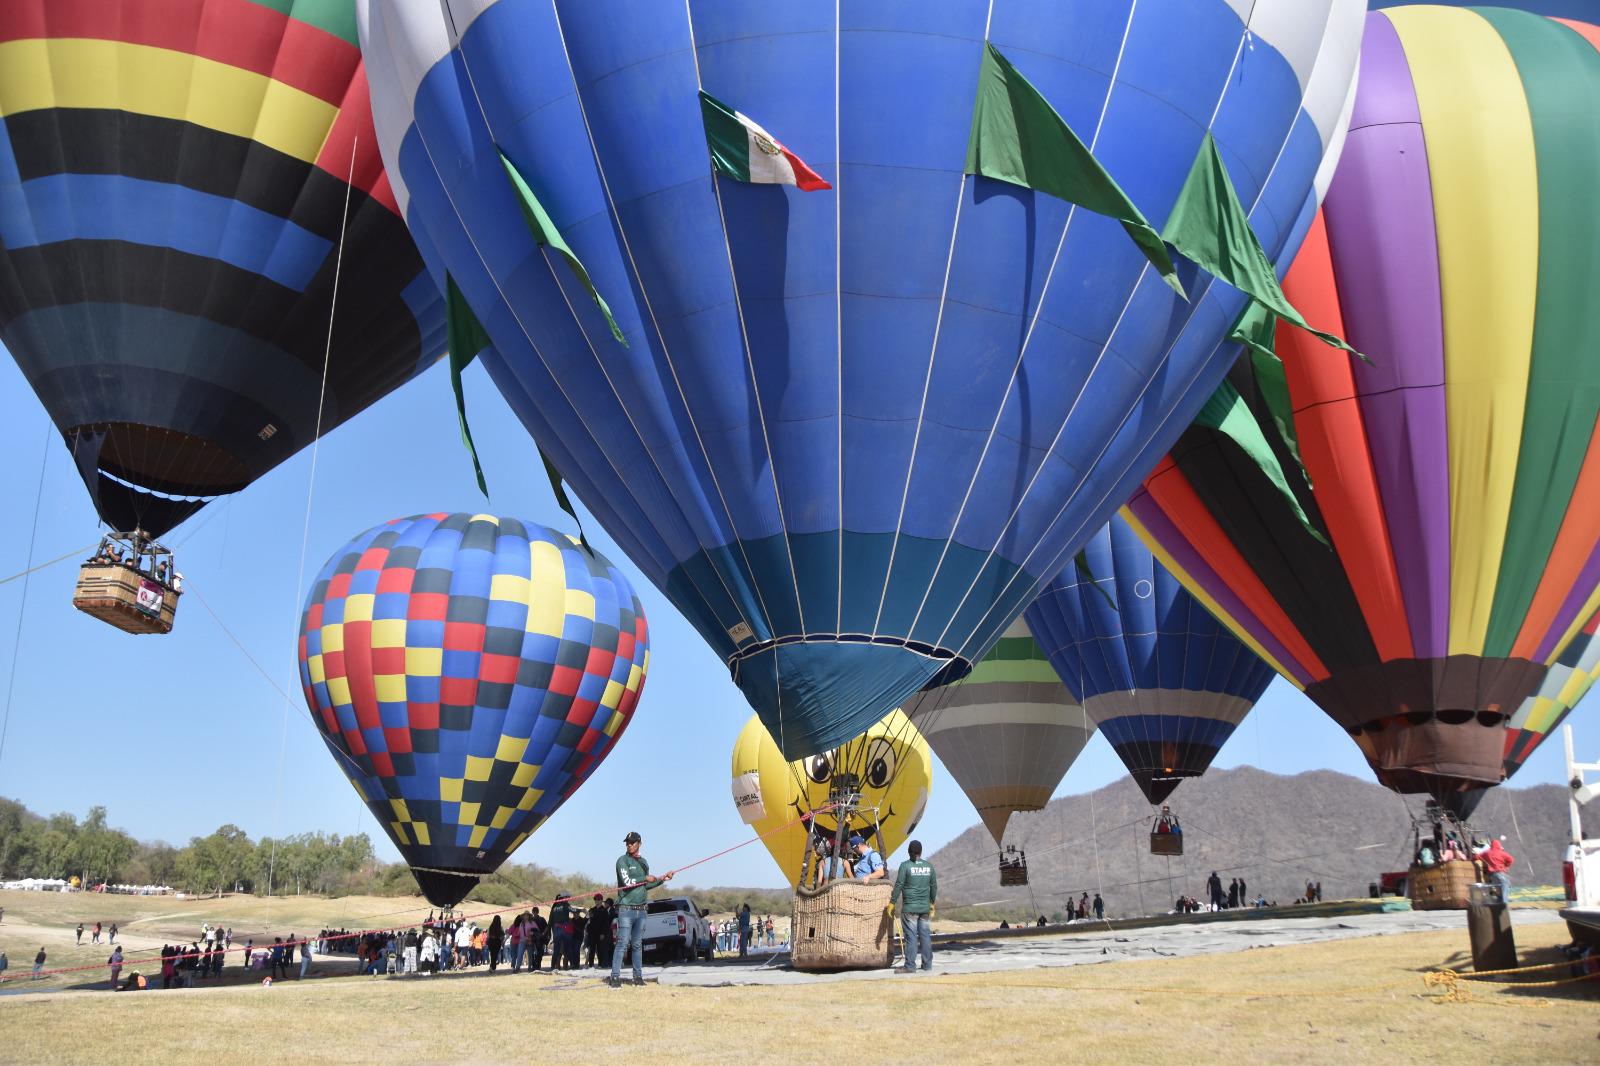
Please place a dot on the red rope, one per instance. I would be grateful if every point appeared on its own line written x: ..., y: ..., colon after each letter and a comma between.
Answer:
x: 154, y: 959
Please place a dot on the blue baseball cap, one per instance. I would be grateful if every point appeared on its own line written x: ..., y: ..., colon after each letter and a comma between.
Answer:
x: 856, y: 838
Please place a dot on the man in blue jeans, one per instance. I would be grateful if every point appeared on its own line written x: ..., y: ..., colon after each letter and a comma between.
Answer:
x: 916, y: 889
x: 633, y: 887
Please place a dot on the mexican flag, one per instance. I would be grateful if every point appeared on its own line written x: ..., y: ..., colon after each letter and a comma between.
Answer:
x: 743, y: 151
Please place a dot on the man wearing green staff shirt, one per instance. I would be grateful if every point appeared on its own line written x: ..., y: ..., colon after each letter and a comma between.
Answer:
x: 633, y: 886
x: 916, y: 890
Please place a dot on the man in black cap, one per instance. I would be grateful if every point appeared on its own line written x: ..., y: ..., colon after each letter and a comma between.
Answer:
x: 633, y: 887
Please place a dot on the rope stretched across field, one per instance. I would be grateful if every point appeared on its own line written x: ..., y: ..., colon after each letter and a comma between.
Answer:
x: 129, y: 961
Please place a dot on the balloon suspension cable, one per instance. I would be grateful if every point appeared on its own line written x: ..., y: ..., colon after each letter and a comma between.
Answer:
x: 16, y: 640
x: 191, y: 588
x: 47, y: 564
x: 311, y: 488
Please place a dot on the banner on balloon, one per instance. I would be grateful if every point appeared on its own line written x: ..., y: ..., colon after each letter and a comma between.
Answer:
x: 747, y: 797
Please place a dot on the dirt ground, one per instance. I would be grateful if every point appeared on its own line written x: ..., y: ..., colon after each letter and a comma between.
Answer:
x: 1349, y: 1001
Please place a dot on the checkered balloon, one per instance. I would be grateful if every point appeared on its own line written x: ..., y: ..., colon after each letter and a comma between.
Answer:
x: 469, y: 672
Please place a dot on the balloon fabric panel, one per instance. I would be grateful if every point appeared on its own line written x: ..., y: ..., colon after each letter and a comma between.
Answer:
x: 469, y: 673
x: 852, y: 430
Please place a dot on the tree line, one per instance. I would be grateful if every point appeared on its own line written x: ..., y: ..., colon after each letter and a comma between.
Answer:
x: 324, y: 864
x: 227, y: 860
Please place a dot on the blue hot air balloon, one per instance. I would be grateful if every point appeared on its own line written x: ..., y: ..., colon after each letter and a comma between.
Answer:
x: 1165, y: 681
x: 850, y: 431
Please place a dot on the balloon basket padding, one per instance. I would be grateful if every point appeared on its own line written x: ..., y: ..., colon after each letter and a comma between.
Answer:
x: 1445, y: 886
x: 1166, y: 843
x: 111, y: 594
x: 844, y: 925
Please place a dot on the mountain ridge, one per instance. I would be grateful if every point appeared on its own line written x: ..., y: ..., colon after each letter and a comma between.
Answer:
x: 1276, y: 831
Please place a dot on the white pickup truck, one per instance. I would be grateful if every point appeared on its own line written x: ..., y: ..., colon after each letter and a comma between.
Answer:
x: 675, y: 930
x: 1580, y: 870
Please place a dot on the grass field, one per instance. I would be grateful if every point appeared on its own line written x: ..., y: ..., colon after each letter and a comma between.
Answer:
x: 1340, y: 1002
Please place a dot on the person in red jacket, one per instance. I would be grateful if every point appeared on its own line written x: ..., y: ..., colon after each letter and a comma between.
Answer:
x: 1497, y: 860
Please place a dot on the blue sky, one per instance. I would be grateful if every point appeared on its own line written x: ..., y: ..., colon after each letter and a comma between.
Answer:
x: 177, y: 735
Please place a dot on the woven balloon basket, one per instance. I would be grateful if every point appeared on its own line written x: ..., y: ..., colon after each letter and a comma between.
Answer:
x: 1444, y: 887
x: 844, y: 925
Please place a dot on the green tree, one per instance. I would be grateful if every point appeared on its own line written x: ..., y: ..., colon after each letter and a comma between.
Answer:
x: 216, y: 863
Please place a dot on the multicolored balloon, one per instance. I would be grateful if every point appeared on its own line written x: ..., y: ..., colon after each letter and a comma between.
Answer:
x: 469, y: 673
x: 182, y: 182
x: 776, y: 798
x: 1443, y: 549
x: 1165, y: 681
x: 853, y: 431
x: 1007, y: 732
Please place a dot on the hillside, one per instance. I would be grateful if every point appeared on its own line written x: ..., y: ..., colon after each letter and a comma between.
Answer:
x: 1276, y: 832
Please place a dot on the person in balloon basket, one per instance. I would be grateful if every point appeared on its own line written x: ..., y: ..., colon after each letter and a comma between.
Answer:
x: 634, y: 883
x: 869, y: 864
x: 916, y: 890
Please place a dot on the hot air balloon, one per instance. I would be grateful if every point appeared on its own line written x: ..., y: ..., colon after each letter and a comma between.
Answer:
x: 185, y: 188
x: 1164, y: 681
x: 848, y: 431
x: 777, y: 798
x: 1441, y: 546
x: 469, y: 673
x: 1007, y: 732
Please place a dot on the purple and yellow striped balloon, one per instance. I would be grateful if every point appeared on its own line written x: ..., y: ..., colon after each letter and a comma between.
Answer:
x: 1455, y: 480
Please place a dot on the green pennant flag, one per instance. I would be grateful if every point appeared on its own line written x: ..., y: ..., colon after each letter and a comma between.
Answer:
x: 545, y: 232
x: 1209, y: 226
x: 466, y: 337
x: 1228, y: 414
x: 1254, y: 330
x: 1019, y: 138
x: 560, y: 492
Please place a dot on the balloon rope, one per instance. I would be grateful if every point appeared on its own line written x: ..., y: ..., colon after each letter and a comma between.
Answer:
x: 16, y: 642
x: 311, y: 488
x: 47, y: 564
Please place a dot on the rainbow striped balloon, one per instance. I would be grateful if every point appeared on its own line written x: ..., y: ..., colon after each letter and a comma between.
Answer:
x: 1456, y: 480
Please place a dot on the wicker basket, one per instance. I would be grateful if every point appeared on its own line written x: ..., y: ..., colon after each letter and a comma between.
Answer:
x: 126, y: 598
x: 843, y: 926
x: 1443, y: 887
x: 1166, y: 843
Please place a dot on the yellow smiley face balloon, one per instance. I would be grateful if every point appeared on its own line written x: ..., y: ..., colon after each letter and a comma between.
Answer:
x: 890, y: 760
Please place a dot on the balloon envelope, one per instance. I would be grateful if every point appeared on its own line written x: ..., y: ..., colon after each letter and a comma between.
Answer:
x: 1007, y: 732
x: 175, y: 178
x: 469, y: 673
x: 852, y: 430
x: 774, y: 796
x: 1454, y: 483
x: 1165, y: 681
